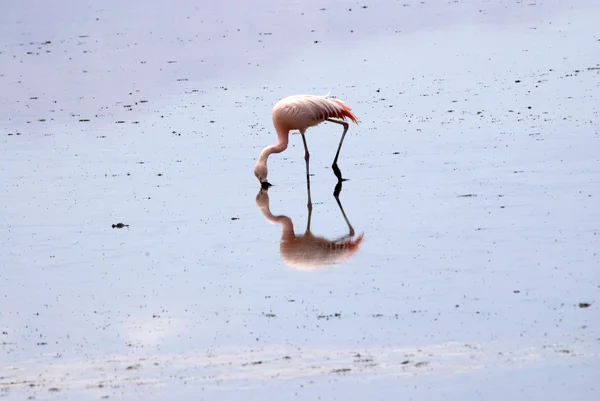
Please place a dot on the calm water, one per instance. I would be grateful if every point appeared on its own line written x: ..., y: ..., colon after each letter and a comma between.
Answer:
x: 474, y: 180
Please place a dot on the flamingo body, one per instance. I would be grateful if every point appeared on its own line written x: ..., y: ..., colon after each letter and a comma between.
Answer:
x: 303, y: 111
x: 299, y: 112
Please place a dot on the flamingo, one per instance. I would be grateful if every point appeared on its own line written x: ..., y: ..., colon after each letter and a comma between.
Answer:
x: 299, y: 112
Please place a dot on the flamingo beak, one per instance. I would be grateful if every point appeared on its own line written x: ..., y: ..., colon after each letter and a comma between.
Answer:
x: 265, y: 185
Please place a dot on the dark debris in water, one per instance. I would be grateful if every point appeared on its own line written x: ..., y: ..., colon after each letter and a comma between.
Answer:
x: 253, y: 363
x: 120, y: 225
x: 467, y: 196
x: 337, y: 314
x: 584, y: 305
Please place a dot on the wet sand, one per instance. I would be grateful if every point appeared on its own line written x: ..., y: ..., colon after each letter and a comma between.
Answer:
x: 473, y: 173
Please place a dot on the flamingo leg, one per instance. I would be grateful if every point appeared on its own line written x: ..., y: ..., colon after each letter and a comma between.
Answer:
x: 334, y: 166
x: 309, y: 207
x: 309, y: 204
x: 306, y: 159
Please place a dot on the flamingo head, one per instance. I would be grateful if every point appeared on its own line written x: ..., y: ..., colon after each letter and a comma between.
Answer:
x: 261, y: 172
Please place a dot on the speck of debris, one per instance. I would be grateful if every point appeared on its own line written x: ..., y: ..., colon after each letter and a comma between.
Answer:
x: 256, y: 363
x: 467, y: 196
x: 84, y: 120
x: 120, y: 225
x: 235, y: 218
x: 584, y: 305
x: 337, y: 314
x: 396, y: 153
x: 343, y: 370
x: 516, y: 291
x: 517, y: 81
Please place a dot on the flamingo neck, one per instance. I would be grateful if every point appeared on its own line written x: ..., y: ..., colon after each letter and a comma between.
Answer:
x: 266, y: 152
x: 280, y: 146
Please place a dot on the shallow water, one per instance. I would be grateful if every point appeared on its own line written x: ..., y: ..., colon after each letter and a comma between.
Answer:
x: 473, y: 176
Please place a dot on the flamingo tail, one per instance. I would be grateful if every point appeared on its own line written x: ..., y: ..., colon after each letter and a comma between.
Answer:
x: 344, y: 111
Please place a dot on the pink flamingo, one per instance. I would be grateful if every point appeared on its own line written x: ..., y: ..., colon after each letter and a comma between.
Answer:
x: 300, y: 112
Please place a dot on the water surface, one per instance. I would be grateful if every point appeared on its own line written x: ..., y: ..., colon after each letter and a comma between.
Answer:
x: 473, y: 178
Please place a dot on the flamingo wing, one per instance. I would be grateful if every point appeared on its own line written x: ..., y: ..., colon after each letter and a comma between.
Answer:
x: 302, y: 111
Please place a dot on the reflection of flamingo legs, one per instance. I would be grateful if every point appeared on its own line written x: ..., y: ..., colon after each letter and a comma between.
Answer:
x: 336, y: 195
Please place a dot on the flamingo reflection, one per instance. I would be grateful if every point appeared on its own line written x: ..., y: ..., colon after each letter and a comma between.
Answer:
x: 308, y: 251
